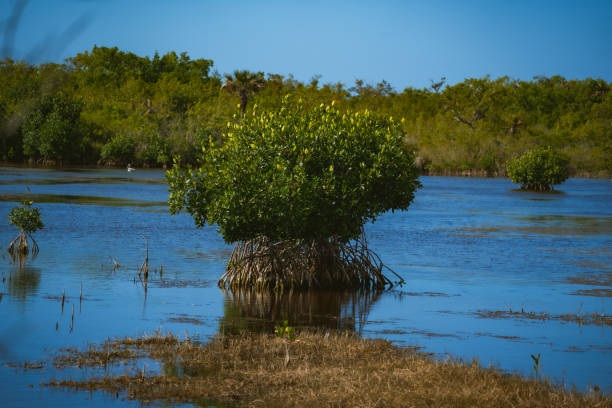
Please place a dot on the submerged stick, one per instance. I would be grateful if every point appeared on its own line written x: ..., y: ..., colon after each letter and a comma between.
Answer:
x: 72, y: 320
x: 144, y: 268
x: 115, y: 263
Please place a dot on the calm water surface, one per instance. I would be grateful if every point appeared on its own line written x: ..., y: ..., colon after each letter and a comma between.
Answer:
x: 490, y: 273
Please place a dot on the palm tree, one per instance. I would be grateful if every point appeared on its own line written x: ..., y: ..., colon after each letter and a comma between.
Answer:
x: 245, y: 84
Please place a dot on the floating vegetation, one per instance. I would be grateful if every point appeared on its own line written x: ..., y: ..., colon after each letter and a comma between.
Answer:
x: 431, y: 334
x: 415, y: 332
x: 601, y: 228
x: 325, y: 369
x: 502, y: 337
x: 548, y: 224
x: 182, y: 318
x: 590, y: 264
x: 263, y: 264
x: 597, y: 319
x: 593, y: 292
x: 603, y: 279
x: 213, y: 254
x: 181, y: 283
x: 401, y: 293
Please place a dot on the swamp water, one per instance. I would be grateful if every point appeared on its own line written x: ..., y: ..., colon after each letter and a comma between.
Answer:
x: 491, y: 273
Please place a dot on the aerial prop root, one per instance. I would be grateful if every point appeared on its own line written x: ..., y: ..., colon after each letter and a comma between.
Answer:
x: 301, y: 264
x: 20, y: 246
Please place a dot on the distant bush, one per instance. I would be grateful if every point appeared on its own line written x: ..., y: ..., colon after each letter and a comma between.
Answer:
x: 121, y: 149
x: 155, y: 152
x: 53, y: 130
x: 539, y: 169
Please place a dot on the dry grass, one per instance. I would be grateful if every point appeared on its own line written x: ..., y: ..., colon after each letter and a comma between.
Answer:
x: 335, y: 370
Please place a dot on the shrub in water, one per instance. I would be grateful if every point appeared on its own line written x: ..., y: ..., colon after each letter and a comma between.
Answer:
x: 27, y: 219
x: 294, y: 188
x: 539, y: 169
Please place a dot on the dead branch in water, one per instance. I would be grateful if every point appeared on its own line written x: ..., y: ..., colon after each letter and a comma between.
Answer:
x: 144, y: 268
x: 116, y: 264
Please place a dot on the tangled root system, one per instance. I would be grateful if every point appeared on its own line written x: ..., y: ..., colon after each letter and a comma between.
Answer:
x: 19, y: 248
x: 262, y: 264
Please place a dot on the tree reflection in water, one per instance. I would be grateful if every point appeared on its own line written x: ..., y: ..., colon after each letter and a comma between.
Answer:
x: 261, y: 311
x: 22, y: 282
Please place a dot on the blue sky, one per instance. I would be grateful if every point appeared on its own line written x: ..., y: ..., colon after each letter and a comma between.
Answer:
x: 406, y: 43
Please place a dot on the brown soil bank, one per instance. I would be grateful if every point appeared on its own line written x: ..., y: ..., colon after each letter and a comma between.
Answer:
x: 313, y: 370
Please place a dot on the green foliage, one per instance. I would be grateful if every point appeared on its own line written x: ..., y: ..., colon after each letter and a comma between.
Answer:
x: 26, y: 218
x: 121, y: 149
x: 539, y: 169
x: 164, y: 102
x: 298, y: 174
x: 156, y: 151
x: 245, y: 84
x: 285, y: 331
x: 53, y: 130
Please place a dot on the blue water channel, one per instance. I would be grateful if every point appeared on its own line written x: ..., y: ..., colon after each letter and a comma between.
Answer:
x: 491, y: 274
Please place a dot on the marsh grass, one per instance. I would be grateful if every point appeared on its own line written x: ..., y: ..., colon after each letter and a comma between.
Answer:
x: 326, y: 369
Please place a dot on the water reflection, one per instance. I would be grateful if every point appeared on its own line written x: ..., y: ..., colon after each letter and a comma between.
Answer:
x: 22, y: 282
x: 261, y: 311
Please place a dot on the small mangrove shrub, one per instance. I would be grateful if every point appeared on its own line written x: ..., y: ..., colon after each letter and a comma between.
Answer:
x: 536, y: 363
x: 27, y: 219
x: 539, y: 169
x: 284, y: 331
x: 287, y: 334
x: 294, y: 188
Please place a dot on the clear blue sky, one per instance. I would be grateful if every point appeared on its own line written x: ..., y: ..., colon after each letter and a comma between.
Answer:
x: 407, y: 43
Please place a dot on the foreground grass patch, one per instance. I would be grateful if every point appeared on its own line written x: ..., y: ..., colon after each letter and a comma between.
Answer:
x: 315, y: 369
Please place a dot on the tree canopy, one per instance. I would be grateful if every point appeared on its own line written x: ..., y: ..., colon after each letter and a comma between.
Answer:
x: 245, y: 84
x: 298, y: 173
x: 53, y: 129
x: 165, y: 105
x: 26, y: 218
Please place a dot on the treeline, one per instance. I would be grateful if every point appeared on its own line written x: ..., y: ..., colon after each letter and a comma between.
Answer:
x: 111, y: 107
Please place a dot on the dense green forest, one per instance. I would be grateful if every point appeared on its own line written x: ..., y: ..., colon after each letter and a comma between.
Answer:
x: 110, y: 107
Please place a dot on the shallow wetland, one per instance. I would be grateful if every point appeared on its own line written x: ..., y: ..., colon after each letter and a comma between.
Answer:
x: 491, y: 274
